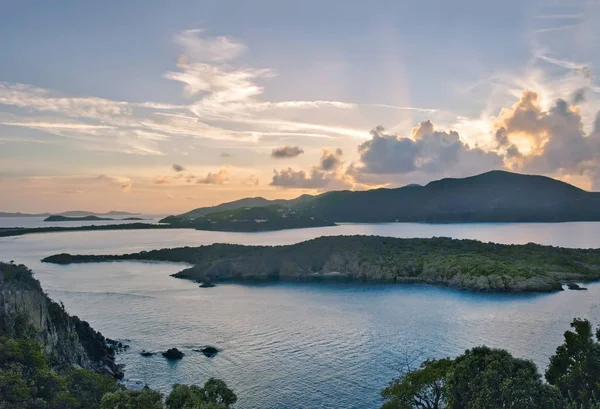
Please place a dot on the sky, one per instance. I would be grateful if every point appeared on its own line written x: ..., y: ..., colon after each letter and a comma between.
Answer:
x: 162, y: 107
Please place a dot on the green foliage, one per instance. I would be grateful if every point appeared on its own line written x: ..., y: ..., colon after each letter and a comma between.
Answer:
x: 484, y: 378
x: 419, y: 389
x: 132, y: 399
x: 575, y: 367
x: 213, y: 395
x: 263, y: 218
x: 28, y: 382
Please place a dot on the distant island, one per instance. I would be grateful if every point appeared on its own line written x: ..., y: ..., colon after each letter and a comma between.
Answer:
x: 20, y: 231
x: 19, y: 214
x: 60, y: 218
x: 70, y: 213
x: 495, y: 196
x: 250, y: 219
x: 466, y: 264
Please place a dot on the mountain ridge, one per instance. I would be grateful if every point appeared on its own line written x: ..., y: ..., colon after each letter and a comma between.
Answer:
x: 494, y: 196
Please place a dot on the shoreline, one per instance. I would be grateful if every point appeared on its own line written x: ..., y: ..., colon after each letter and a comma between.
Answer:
x: 466, y: 264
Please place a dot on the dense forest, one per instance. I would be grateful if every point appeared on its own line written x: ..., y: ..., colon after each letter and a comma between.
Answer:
x: 466, y: 264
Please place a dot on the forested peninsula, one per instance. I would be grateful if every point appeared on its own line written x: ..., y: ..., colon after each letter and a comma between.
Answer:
x: 466, y: 264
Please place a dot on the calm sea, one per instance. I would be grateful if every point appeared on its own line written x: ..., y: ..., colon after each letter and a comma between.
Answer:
x: 299, y: 345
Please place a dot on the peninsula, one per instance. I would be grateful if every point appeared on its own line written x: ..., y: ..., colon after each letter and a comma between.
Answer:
x: 251, y: 219
x: 20, y: 231
x: 466, y: 264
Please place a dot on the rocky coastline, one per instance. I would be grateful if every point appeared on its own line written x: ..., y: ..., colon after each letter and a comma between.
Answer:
x: 465, y: 264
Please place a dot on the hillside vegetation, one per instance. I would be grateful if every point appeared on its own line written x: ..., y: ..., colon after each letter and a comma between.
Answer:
x: 51, y: 360
x: 496, y: 196
x: 466, y: 264
x: 249, y: 219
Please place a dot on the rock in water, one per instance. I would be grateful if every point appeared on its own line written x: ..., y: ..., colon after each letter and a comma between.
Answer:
x: 146, y: 353
x: 173, y: 353
x: 207, y: 285
x: 574, y: 286
x: 208, y: 351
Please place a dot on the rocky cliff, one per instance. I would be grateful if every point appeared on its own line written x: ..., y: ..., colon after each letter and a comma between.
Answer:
x: 25, y: 310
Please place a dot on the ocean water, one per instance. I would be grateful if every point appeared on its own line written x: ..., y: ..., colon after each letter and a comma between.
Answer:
x: 31, y: 222
x: 299, y: 345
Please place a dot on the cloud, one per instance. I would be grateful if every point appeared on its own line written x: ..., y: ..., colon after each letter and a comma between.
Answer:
x: 218, y: 178
x: 162, y: 180
x: 427, y: 152
x: 326, y: 175
x: 204, y: 48
x: 123, y: 182
x: 579, y: 96
x: 554, y: 140
x: 287, y: 152
x: 313, y: 179
x: 331, y: 160
x: 178, y: 168
x: 225, y: 155
x: 43, y: 100
x: 251, y: 180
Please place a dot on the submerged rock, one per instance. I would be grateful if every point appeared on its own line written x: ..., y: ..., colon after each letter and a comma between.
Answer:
x: 208, y: 351
x: 173, y: 353
x: 116, y: 346
x: 147, y: 353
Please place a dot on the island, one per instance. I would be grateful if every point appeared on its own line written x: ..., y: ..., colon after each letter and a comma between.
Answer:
x: 59, y: 218
x: 495, y: 196
x: 20, y: 231
x: 466, y: 264
x: 250, y: 219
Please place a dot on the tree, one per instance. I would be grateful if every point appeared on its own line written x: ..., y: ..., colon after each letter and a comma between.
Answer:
x: 214, y: 394
x: 484, y: 378
x: 132, y: 399
x: 575, y: 367
x: 423, y: 388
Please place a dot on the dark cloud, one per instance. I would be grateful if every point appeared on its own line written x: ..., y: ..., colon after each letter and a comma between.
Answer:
x: 287, y: 152
x: 313, y: 179
x: 326, y: 175
x: 428, y: 152
x: 579, y: 96
x: 331, y: 160
x: 178, y: 168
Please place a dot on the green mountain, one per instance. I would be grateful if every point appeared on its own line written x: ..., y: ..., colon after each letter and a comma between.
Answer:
x: 496, y: 196
x: 242, y: 203
x: 250, y: 219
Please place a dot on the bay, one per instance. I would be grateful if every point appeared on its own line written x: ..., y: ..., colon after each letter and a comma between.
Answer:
x: 299, y: 345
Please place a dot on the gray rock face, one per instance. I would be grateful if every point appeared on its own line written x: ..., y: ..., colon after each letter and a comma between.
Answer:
x: 68, y: 341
